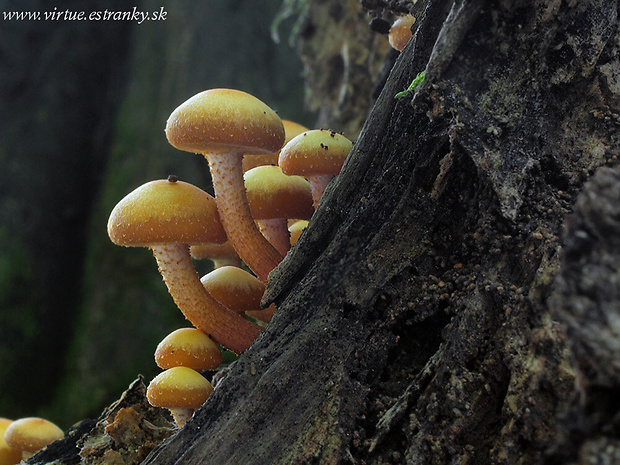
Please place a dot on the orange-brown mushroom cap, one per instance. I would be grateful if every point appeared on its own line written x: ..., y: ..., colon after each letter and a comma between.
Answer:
x: 188, y: 347
x: 179, y: 387
x: 235, y: 288
x: 296, y: 229
x: 315, y: 152
x: 400, y: 32
x: 291, y: 129
x: 223, y: 120
x: 8, y: 455
x: 273, y: 194
x: 238, y: 290
x: 165, y: 211
x: 211, y: 251
x: 219, y: 254
x: 31, y: 434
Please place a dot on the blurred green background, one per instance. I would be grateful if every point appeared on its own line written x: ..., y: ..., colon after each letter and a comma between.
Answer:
x: 83, y: 108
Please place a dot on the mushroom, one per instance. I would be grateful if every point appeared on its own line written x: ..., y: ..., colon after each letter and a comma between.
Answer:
x: 188, y: 347
x: 400, y: 32
x: 238, y: 290
x: 181, y: 390
x: 291, y: 129
x: 8, y: 455
x: 220, y: 254
x: 295, y: 230
x: 274, y: 198
x: 223, y: 124
x: 318, y: 155
x: 31, y: 434
x: 166, y: 216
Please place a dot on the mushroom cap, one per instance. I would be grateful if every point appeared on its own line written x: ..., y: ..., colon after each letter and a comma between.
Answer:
x: 225, y: 120
x: 315, y: 152
x: 295, y: 230
x: 31, y: 434
x: 291, y: 129
x: 234, y: 288
x: 8, y: 455
x: 188, y: 347
x: 400, y: 32
x: 212, y: 251
x: 165, y: 211
x: 273, y: 194
x: 178, y: 387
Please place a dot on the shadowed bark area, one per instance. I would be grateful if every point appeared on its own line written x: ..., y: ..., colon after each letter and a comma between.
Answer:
x: 413, y: 323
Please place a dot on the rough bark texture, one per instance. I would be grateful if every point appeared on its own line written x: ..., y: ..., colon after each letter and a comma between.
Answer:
x: 413, y: 319
x: 431, y: 313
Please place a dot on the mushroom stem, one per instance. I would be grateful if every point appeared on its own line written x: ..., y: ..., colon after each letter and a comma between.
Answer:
x: 318, y: 183
x: 276, y: 232
x: 256, y: 251
x: 181, y: 415
x: 203, y: 311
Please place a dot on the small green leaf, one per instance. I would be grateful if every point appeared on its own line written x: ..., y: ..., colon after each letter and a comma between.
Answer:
x: 419, y: 79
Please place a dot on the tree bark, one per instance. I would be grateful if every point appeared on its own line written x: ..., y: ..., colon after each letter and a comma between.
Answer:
x: 414, y: 320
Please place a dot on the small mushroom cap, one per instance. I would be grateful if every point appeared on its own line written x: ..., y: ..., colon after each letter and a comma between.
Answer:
x: 178, y: 387
x: 31, y: 434
x: 188, y: 347
x: 400, y: 32
x: 213, y: 251
x: 273, y: 194
x: 291, y: 129
x: 8, y: 455
x: 225, y: 120
x: 295, y: 230
x: 315, y: 152
x: 234, y: 288
x: 165, y: 211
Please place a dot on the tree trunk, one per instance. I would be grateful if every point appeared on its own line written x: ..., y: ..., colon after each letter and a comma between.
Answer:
x: 429, y: 313
x: 414, y: 318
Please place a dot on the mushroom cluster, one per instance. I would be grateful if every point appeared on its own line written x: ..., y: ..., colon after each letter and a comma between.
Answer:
x: 268, y: 177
